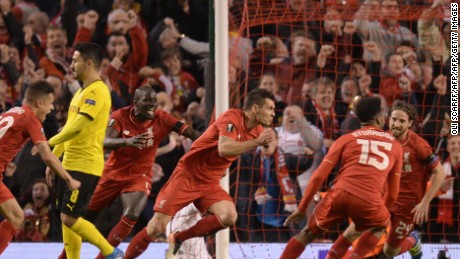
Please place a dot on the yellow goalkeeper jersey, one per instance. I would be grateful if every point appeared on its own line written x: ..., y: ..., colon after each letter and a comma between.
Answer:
x: 84, y: 153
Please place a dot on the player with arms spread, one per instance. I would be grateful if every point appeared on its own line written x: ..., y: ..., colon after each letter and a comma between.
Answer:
x: 16, y: 126
x: 134, y: 133
x: 197, y: 174
x: 81, y: 141
x: 370, y: 158
x: 413, y: 200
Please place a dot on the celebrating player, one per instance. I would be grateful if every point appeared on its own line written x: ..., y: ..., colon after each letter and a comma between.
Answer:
x: 134, y: 133
x: 197, y: 175
x: 81, y: 141
x: 412, y: 203
x: 16, y: 126
x: 370, y: 157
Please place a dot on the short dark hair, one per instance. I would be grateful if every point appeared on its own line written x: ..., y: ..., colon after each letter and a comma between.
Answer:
x: 141, y: 91
x: 52, y: 27
x: 368, y: 109
x: 38, y: 89
x: 120, y: 34
x: 400, y: 105
x: 169, y: 53
x: 90, y: 50
x: 257, y: 96
x: 389, y: 55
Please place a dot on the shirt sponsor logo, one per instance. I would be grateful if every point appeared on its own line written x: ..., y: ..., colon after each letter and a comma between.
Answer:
x: 70, y: 206
x: 90, y: 102
x: 407, y: 166
x: 230, y: 127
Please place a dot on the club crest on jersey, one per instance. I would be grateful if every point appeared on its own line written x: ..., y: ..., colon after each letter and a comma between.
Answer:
x: 111, y: 122
x: 90, y: 102
x: 125, y: 132
x: 230, y: 127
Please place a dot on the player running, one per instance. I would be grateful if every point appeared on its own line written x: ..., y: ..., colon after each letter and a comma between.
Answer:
x: 412, y: 204
x: 370, y: 158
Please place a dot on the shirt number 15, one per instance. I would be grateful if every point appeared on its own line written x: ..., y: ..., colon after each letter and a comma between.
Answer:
x: 373, y: 147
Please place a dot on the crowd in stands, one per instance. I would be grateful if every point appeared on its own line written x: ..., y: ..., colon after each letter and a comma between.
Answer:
x: 317, y: 68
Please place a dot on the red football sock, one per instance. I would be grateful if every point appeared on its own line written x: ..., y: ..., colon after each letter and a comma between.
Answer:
x: 138, y: 244
x: 7, y: 232
x: 339, y: 249
x: 119, y: 233
x: 206, y: 226
x: 293, y: 249
x: 366, y: 243
x: 407, y: 244
x: 63, y: 254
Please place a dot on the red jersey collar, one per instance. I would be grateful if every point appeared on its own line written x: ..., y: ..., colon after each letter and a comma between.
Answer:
x: 27, y: 108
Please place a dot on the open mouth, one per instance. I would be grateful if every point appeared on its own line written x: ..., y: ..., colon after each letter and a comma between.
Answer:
x: 151, y: 111
x: 396, y: 129
x: 57, y: 47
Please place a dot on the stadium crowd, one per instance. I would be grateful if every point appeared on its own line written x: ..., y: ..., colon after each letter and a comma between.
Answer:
x: 317, y: 68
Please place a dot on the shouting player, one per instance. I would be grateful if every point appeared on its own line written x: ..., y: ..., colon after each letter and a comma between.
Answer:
x: 134, y: 134
x: 16, y: 126
x: 370, y: 158
x: 413, y: 200
x: 197, y: 174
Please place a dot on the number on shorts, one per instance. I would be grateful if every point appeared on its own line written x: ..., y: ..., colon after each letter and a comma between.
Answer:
x: 9, y: 122
x: 403, y: 230
x: 374, y: 149
x: 74, y: 196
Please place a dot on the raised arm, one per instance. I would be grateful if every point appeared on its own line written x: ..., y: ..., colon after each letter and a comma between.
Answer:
x: 312, y: 136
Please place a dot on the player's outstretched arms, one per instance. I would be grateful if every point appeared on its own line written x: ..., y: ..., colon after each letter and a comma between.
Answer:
x: 228, y: 147
x: 51, y: 160
x: 295, y: 217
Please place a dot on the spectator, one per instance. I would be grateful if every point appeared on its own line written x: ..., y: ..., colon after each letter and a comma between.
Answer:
x: 444, y: 217
x: 36, y: 226
x: 265, y: 194
x: 269, y: 83
x: 322, y: 112
x: 395, y: 84
x: 57, y: 59
x: 388, y: 33
x: 343, y: 45
x: 185, y: 85
x: 429, y: 32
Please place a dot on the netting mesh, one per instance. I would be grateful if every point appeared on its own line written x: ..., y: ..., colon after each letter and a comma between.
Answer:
x: 319, y: 57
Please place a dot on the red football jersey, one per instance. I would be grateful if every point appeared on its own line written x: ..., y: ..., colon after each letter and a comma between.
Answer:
x: 368, y: 155
x: 16, y: 126
x: 203, y: 160
x: 129, y: 162
x: 418, y: 161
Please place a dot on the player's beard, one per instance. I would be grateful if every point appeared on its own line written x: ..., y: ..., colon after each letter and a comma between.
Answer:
x: 398, y: 131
